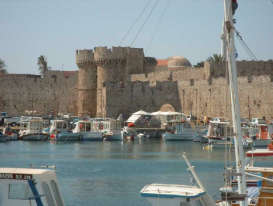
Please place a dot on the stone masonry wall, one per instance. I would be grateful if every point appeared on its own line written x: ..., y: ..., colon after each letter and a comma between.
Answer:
x: 140, y: 95
x: 54, y: 93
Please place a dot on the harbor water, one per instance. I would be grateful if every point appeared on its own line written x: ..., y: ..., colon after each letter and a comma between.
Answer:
x: 113, y: 173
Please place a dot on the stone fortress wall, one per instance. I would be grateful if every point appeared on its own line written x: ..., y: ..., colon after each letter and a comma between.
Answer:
x: 54, y: 93
x: 123, y: 80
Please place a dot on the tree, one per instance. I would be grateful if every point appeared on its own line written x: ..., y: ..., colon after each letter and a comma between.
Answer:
x: 216, y: 58
x: 2, y: 67
x: 42, y: 63
x: 199, y: 64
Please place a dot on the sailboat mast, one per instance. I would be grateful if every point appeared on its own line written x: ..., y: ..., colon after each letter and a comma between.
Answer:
x: 232, y: 69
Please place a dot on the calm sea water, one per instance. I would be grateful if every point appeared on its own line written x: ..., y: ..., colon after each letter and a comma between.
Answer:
x: 113, y: 173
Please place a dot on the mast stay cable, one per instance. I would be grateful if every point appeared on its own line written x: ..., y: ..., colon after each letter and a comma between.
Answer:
x: 245, y: 46
x: 134, y: 23
x: 145, y: 21
x: 167, y: 5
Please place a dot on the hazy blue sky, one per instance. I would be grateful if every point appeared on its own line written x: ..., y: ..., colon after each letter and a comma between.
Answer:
x: 190, y: 28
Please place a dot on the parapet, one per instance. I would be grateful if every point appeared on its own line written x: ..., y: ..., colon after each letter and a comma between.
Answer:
x: 84, y: 57
x: 116, y: 55
x: 150, y: 61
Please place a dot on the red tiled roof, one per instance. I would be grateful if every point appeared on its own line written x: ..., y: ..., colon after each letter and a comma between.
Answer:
x: 69, y: 73
x: 162, y: 62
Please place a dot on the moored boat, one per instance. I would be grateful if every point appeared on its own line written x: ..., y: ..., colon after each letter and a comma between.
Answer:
x: 28, y: 186
x: 86, y: 129
x: 59, y: 131
x: 179, y: 131
x: 32, y: 130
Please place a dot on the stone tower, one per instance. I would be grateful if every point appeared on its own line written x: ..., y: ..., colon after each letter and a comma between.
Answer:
x: 87, y: 83
x: 111, y: 71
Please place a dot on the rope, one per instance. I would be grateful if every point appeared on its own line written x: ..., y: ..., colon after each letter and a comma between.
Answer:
x: 243, y: 43
x: 145, y: 21
x: 134, y: 23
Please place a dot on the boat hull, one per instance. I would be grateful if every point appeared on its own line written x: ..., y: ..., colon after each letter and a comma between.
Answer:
x: 67, y: 136
x: 91, y: 136
x: 167, y: 136
x: 114, y: 137
x: 34, y: 137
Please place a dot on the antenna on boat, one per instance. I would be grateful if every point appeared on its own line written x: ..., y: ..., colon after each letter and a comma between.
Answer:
x: 207, y: 199
x: 191, y: 169
x: 238, y: 144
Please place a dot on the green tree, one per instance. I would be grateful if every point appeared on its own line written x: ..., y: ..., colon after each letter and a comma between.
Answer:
x: 215, y: 58
x: 42, y: 63
x: 2, y: 67
x: 199, y: 64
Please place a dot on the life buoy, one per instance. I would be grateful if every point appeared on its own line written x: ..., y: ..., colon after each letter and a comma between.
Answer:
x: 100, y: 126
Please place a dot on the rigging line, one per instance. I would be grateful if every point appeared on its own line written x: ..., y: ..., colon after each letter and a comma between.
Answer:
x: 145, y: 21
x: 250, y: 53
x: 134, y: 23
x: 168, y: 2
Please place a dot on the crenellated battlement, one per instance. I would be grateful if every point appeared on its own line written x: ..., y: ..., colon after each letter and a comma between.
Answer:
x: 105, y: 56
x: 84, y: 57
x: 150, y: 61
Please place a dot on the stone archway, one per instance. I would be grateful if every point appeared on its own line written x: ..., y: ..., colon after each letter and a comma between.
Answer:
x: 167, y: 108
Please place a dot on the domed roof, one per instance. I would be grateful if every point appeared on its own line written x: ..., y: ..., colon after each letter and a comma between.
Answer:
x: 178, y: 61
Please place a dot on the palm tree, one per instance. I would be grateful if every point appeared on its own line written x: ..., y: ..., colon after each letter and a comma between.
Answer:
x: 216, y: 58
x: 2, y: 67
x: 199, y: 64
x: 42, y: 63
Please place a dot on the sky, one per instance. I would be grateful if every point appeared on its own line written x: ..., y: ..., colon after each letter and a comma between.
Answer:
x: 189, y: 28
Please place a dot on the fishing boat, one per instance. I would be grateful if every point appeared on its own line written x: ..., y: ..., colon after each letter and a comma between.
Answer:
x: 29, y: 186
x: 179, y: 131
x: 110, y: 128
x: 59, y: 131
x: 88, y: 130
x: 259, y: 135
x: 32, y: 130
x: 218, y: 133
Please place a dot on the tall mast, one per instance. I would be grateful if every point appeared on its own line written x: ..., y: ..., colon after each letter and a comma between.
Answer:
x: 235, y: 107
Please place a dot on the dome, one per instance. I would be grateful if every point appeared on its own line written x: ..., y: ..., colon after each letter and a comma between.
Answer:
x: 178, y: 61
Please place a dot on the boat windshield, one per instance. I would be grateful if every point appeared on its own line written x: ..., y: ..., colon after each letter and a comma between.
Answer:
x: 19, y: 190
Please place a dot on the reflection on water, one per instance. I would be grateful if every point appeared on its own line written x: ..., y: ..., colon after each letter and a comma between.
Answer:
x: 112, y: 173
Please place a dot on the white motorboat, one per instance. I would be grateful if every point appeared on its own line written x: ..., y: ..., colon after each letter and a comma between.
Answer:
x: 259, y: 135
x: 179, y: 131
x: 32, y: 130
x: 110, y: 128
x: 59, y: 131
x: 28, y: 186
x: 86, y: 129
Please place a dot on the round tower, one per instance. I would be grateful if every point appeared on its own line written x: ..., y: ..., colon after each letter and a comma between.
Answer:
x: 111, y: 71
x: 87, y: 83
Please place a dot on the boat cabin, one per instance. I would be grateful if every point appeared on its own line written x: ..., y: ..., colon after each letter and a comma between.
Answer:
x: 58, y: 126
x: 27, y: 186
x: 219, y: 130
x: 83, y: 126
x: 33, y: 126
